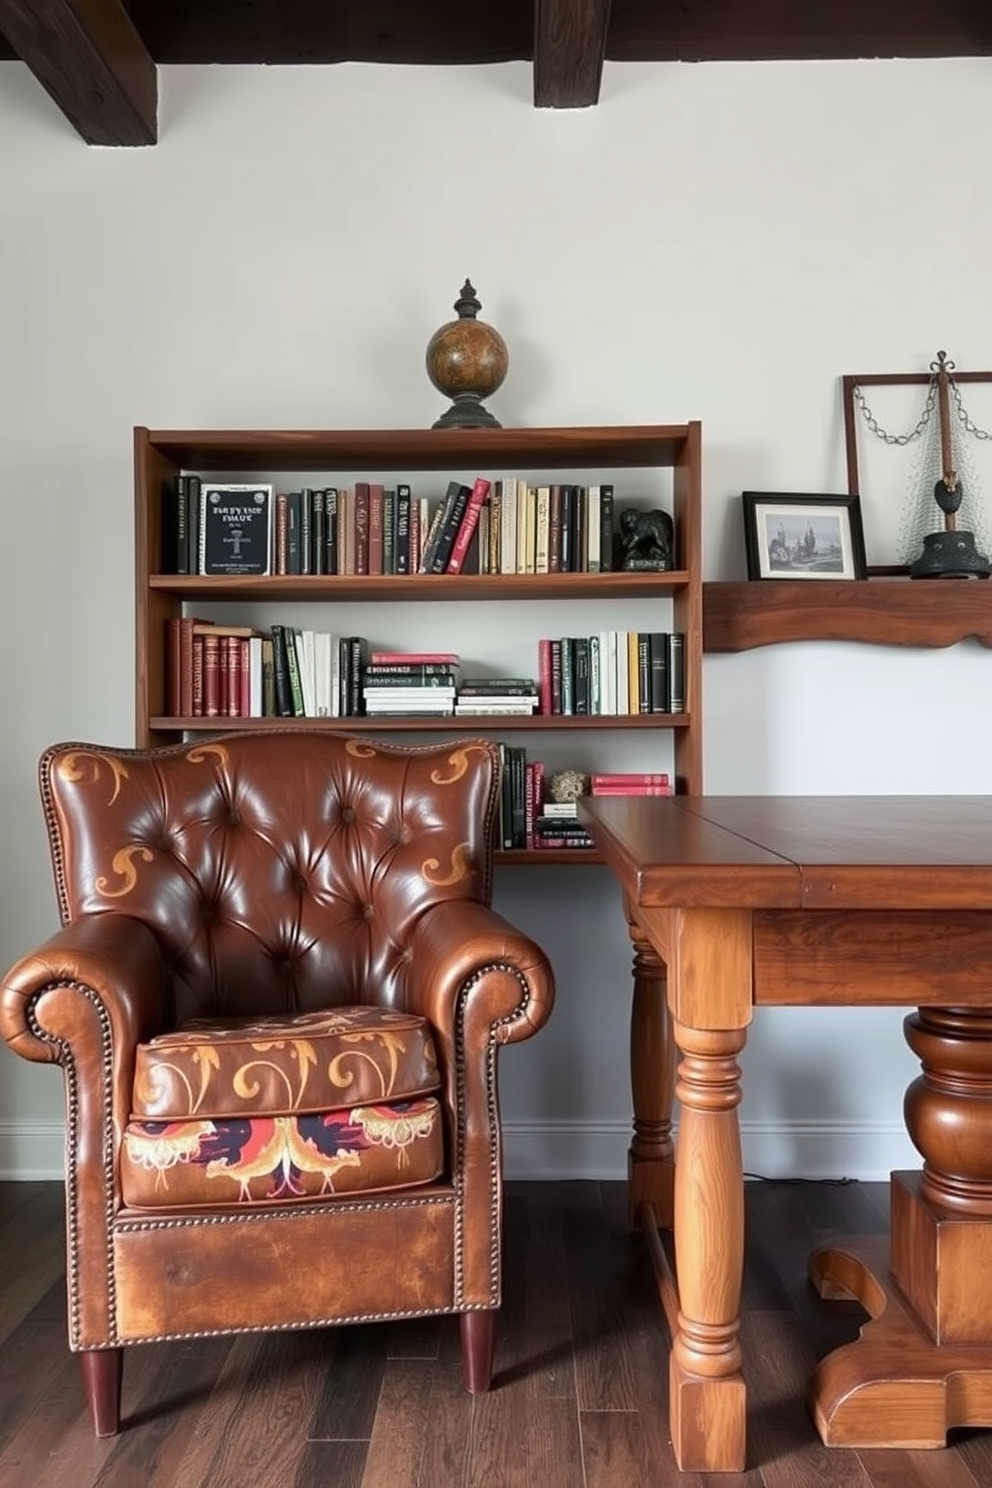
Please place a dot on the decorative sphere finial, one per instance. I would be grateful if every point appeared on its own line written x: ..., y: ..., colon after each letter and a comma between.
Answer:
x: 467, y: 360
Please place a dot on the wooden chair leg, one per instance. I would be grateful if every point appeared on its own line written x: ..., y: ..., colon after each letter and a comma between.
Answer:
x: 102, y: 1373
x: 478, y: 1334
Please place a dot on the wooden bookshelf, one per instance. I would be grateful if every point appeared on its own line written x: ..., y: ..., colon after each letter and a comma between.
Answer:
x: 266, y: 454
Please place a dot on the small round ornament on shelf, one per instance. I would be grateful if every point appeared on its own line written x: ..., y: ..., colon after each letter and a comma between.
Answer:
x: 467, y: 360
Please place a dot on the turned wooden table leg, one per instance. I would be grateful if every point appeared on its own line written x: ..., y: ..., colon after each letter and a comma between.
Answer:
x: 707, y: 1388
x: 942, y: 1217
x: 923, y: 1364
x: 651, y: 1157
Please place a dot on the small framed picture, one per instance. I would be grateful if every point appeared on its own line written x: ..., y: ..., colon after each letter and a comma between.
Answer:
x: 803, y: 537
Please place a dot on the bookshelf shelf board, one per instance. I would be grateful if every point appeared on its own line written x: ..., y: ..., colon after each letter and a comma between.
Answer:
x: 892, y: 611
x: 340, y: 587
x: 423, y: 449
x: 490, y: 723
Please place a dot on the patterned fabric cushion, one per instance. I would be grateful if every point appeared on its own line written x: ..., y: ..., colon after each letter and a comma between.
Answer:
x: 278, y: 1159
x: 313, y: 1063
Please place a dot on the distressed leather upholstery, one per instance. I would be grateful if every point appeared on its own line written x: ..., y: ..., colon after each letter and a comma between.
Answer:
x: 277, y: 997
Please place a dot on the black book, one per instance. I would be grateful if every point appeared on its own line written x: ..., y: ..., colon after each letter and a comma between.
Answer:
x: 280, y: 674
x: 306, y: 530
x: 580, y: 657
x: 404, y: 497
x: 644, y: 672
x: 359, y: 649
x: 175, y: 511
x: 331, y: 529
x: 567, y: 559
x: 606, y: 528
x: 235, y: 529
x: 676, y: 672
x: 318, y: 534
x: 455, y: 503
x: 658, y: 646
x: 194, y: 498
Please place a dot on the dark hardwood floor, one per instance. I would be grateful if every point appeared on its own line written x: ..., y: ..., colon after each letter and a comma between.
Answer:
x: 580, y: 1389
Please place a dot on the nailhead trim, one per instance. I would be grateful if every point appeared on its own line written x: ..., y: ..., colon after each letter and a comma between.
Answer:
x: 66, y: 1060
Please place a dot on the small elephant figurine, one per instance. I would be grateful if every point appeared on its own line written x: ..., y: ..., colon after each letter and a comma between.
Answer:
x: 646, y: 540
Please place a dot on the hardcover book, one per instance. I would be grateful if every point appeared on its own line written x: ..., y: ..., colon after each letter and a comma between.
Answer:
x: 235, y: 529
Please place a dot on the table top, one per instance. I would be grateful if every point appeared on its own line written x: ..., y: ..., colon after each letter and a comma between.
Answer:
x: 802, y: 852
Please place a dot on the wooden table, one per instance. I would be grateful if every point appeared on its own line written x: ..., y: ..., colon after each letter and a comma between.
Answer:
x: 742, y: 902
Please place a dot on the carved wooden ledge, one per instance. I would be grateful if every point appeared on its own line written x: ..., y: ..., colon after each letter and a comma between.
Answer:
x: 881, y: 611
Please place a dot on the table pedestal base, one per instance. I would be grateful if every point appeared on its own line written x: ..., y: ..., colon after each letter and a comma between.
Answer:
x: 894, y: 1386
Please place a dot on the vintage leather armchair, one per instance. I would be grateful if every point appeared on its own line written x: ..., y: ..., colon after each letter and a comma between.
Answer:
x: 277, y: 996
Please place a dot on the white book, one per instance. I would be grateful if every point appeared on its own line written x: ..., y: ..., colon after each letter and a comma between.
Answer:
x: 607, y: 675
x: 622, y: 674
x: 508, y: 527
x: 305, y: 660
x: 322, y: 674
x: 593, y: 531
x: 542, y: 529
x: 255, y: 676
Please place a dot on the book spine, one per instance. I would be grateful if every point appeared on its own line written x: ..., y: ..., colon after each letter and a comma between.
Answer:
x: 413, y: 658
x: 293, y: 672
x: 294, y: 526
x: 629, y: 778
x: 632, y: 790
x: 282, y: 532
x: 361, y: 527
x: 644, y: 673
x: 193, y: 504
x: 197, y: 711
x: 376, y: 529
x: 676, y: 672
x: 606, y: 528
x: 211, y: 676
x: 389, y: 532
x: 658, y: 646
x: 283, y: 694
x: 173, y: 548
x: 306, y: 530
x: 318, y: 532
x: 456, y: 502
x: 467, y: 526
x: 331, y: 526
x: 404, y: 499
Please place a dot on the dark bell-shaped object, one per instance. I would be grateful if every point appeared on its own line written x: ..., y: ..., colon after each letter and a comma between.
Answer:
x: 467, y: 361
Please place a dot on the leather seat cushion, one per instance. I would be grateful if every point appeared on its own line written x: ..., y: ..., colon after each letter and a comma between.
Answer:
x: 310, y: 1063
x: 278, y: 1159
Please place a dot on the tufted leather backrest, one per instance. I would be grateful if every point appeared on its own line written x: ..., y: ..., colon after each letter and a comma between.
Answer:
x: 280, y: 870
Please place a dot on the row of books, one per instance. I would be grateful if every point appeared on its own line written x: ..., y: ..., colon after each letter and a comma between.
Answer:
x: 529, y: 819
x: 614, y: 673
x: 236, y: 671
x: 499, y: 526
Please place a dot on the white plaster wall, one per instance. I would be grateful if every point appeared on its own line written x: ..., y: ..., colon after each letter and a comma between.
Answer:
x: 718, y: 242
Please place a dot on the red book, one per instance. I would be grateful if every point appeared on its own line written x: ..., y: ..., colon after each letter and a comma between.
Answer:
x: 632, y: 789
x: 631, y: 777
x: 451, y: 657
x: 468, y: 524
x: 376, y: 502
x: 544, y: 677
x: 211, y: 676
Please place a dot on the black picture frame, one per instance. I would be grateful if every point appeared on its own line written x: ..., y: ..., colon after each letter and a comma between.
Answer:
x: 793, y: 536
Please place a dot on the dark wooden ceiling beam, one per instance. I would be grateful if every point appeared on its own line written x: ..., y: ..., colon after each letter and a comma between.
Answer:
x: 569, y: 46
x: 87, y: 55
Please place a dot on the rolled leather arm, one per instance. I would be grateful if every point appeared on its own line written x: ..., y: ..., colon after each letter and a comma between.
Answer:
x: 465, y: 947
x: 106, y: 966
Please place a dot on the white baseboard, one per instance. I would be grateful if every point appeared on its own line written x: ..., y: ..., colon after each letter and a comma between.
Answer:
x: 556, y: 1150
x: 868, y: 1151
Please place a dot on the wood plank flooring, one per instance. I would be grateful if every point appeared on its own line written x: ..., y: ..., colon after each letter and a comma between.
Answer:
x: 581, y: 1372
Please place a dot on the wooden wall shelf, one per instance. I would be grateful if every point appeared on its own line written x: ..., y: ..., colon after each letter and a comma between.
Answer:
x: 883, y: 611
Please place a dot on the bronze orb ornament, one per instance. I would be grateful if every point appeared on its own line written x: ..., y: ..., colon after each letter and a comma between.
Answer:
x: 467, y: 361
